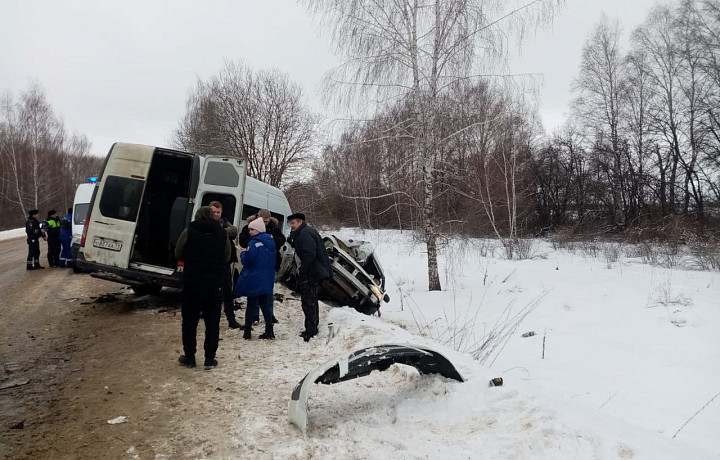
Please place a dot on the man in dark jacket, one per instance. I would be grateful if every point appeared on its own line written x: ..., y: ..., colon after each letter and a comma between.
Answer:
x: 205, y: 249
x: 34, y: 233
x: 314, y: 266
x: 53, y: 238
x: 227, y: 288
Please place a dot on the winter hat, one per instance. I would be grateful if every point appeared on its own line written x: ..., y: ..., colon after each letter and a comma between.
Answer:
x: 204, y: 212
x: 258, y: 225
x: 297, y: 215
x: 51, y: 213
x: 33, y: 212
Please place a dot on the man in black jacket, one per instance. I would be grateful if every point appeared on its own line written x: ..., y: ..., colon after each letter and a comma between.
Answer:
x: 34, y: 233
x: 314, y: 266
x: 228, y: 288
x: 205, y: 249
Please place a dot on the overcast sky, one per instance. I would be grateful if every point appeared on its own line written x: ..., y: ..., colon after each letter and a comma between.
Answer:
x: 121, y: 70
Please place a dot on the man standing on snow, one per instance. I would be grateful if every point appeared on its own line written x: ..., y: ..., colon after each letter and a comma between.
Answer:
x: 227, y: 288
x: 314, y: 266
x: 205, y: 249
x: 34, y: 233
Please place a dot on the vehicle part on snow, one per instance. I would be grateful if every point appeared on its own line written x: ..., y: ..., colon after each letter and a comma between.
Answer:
x: 496, y: 382
x: 361, y: 363
x: 357, y: 277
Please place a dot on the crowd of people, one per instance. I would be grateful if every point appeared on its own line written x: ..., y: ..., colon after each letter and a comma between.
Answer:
x: 206, y: 250
x: 58, y: 234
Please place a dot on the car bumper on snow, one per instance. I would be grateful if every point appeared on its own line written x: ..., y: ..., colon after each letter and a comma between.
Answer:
x: 361, y: 363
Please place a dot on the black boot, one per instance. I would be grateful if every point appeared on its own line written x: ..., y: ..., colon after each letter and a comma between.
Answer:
x: 246, y: 334
x: 269, y: 334
x: 233, y: 324
x: 187, y: 361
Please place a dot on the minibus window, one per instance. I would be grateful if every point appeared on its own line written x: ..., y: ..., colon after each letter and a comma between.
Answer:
x: 228, y: 204
x: 221, y: 173
x: 121, y: 198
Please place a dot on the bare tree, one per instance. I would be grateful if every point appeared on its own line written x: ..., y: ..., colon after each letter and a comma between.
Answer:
x: 260, y: 116
x: 417, y: 50
x: 40, y: 164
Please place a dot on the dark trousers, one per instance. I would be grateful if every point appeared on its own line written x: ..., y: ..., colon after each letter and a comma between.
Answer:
x: 53, y: 253
x: 309, y: 301
x: 33, y: 253
x: 263, y: 302
x: 228, y: 294
x: 205, y: 300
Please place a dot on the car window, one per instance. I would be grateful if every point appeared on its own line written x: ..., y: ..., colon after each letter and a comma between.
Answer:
x: 80, y: 213
x: 121, y: 198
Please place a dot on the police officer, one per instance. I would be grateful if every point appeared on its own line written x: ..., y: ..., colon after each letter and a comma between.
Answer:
x: 53, y: 238
x: 34, y: 233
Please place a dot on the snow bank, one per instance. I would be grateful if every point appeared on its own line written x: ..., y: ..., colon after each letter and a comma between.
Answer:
x: 10, y: 234
x: 621, y: 339
x: 402, y: 414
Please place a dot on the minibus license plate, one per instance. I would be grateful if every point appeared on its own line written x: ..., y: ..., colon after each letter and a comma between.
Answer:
x: 104, y: 243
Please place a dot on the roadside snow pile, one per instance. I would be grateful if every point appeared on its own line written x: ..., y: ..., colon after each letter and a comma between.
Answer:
x: 626, y: 344
x: 10, y: 234
x: 402, y: 414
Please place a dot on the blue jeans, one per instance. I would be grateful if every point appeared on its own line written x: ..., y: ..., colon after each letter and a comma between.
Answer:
x: 265, y: 303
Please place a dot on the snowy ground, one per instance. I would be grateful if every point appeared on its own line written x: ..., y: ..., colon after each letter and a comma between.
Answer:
x: 9, y: 234
x: 630, y: 355
x: 629, y: 348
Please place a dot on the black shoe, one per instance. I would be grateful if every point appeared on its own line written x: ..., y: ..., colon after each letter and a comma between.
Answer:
x: 210, y: 364
x: 234, y: 324
x: 307, y: 337
x: 246, y: 334
x: 186, y: 361
x: 274, y: 320
x: 30, y: 267
x: 302, y: 334
x: 267, y: 336
x: 38, y: 267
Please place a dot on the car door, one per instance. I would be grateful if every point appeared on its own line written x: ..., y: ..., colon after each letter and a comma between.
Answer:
x: 113, y: 218
x: 223, y: 179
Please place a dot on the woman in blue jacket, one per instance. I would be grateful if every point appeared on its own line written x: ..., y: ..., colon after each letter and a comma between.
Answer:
x: 257, y: 278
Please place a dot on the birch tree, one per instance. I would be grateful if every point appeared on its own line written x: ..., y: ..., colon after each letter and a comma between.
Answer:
x: 417, y: 50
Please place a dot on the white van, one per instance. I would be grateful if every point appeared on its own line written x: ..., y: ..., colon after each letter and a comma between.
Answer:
x: 146, y: 196
x: 259, y: 195
x: 81, y: 208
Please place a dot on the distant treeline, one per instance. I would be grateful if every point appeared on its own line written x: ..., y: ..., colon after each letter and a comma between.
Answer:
x: 641, y: 146
x: 40, y: 162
